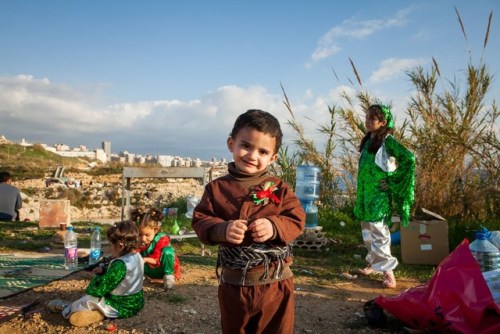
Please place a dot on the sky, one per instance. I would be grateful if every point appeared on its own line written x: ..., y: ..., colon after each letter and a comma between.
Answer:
x: 170, y: 77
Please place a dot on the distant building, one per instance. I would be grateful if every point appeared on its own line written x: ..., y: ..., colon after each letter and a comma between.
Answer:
x: 129, y: 158
x: 165, y: 160
x: 106, y: 146
x: 101, y: 155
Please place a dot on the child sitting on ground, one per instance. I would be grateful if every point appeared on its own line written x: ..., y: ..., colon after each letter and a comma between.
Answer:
x: 115, y: 292
x: 159, y: 256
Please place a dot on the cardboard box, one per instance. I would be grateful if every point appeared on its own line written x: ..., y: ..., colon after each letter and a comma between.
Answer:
x: 55, y: 212
x: 425, y: 240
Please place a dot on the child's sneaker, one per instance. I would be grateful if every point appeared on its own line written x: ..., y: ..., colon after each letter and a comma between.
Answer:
x: 85, y: 318
x: 168, y: 282
x: 57, y: 305
x: 389, y: 280
x: 366, y: 271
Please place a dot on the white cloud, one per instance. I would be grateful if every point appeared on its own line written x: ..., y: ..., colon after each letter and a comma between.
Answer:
x: 41, y: 111
x: 46, y: 112
x: 393, y: 68
x: 330, y: 43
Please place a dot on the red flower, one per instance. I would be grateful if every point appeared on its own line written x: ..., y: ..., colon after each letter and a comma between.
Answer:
x: 263, y: 196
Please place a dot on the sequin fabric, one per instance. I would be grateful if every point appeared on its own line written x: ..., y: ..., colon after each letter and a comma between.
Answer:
x: 102, y: 285
x: 376, y: 204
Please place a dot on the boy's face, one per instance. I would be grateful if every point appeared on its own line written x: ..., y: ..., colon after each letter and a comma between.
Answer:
x: 252, y: 150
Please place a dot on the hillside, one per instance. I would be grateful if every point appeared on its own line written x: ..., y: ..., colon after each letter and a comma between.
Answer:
x: 98, y: 198
x: 28, y: 162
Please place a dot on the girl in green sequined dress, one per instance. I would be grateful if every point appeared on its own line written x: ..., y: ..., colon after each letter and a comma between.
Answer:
x: 117, y: 291
x: 386, y: 179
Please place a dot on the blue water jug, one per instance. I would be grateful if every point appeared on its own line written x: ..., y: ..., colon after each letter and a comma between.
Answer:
x: 307, y: 183
x: 311, y: 214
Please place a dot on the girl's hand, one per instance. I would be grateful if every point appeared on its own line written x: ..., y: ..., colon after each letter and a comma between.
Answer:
x: 149, y: 260
x: 97, y: 270
x: 261, y: 229
x: 235, y: 231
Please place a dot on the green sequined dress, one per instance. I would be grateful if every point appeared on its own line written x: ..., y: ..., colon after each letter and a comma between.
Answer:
x: 374, y: 204
x: 117, y: 293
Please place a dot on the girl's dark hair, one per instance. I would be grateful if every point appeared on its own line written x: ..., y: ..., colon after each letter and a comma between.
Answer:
x: 125, y: 234
x: 261, y: 121
x: 375, y: 111
x: 143, y: 217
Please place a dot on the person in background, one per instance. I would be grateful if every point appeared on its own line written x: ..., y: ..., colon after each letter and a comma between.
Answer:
x: 253, y: 216
x: 386, y: 174
x: 159, y: 256
x: 10, y: 199
x: 115, y: 291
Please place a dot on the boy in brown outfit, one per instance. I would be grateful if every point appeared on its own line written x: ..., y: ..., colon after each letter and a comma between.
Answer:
x: 254, y: 217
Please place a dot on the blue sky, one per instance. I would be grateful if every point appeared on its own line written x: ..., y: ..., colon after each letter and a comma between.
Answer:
x: 170, y: 77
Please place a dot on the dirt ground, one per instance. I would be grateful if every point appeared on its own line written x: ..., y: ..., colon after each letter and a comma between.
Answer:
x: 192, y: 306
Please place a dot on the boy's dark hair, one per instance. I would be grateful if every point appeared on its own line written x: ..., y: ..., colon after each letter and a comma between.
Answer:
x: 126, y: 234
x: 375, y: 111
x: 4, y: 177
x: 261, y: 121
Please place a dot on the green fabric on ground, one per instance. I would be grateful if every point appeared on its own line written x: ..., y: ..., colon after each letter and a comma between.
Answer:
x: 20, y: 272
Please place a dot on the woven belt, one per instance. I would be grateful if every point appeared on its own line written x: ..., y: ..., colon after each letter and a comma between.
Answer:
x: 254, y: 277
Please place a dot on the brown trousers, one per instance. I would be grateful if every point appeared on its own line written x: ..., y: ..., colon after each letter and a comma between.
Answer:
x: 265, y: 308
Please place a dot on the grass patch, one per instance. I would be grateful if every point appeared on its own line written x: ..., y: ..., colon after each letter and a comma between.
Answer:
x: 28, y: 236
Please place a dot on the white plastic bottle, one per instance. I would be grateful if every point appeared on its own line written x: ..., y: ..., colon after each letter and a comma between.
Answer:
x: 95, y: 246
x: 70, y: 249
x: 494, y: 238
x: 485, y: 253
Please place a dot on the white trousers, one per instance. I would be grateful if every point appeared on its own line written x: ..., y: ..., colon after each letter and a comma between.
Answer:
x: 377, y: 239
x: 90, y: 303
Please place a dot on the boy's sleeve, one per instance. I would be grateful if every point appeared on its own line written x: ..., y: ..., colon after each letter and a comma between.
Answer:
x: 289, y: 223
x: 401, y: 182
x: 209, y: 228
x: 101, y: 285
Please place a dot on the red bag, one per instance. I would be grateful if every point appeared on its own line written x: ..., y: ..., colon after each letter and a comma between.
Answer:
x: 455, y: 299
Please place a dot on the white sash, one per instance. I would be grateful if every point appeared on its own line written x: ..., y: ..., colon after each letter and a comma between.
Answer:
x: 384, y: 161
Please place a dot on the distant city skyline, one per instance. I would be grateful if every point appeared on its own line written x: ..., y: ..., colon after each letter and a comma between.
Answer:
x: 27, y: 142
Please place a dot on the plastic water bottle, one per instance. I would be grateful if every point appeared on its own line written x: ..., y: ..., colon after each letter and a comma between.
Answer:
x: 70, y: 249
x: 494, y: 238
x: 485, y: 253
x: 311, y: 214
x: 95, y: 246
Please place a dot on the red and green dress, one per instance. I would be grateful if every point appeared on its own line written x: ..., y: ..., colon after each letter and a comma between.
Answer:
x: 161, y: 250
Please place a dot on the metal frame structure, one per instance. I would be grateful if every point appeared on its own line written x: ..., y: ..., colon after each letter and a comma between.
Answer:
x: 203, y: 173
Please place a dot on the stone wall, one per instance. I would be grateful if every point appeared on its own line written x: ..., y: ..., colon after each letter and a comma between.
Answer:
x: 103, y: 194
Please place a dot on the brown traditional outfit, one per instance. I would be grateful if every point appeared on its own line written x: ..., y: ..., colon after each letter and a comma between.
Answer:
x: 256, y: 283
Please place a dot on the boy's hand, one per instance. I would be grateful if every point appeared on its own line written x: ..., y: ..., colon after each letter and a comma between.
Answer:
x: 235, y: 232
x: 261, y: 229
